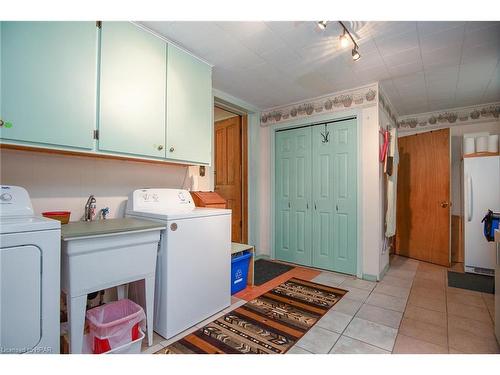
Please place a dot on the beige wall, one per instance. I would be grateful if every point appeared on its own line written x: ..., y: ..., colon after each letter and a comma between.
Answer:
x: 59, y: 182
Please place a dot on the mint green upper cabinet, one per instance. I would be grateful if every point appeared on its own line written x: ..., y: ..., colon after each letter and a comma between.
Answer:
x: 132, y: 90
x: 189, y: 108
x: 48, y: 82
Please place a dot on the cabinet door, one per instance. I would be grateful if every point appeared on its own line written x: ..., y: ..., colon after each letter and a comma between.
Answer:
x: 132, y: 90
x: 48, y: 82
x: 345, y: 196
x: 189, y: 108
x: 293, y: 196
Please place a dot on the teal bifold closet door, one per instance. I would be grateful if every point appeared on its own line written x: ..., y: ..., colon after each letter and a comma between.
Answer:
x: 345, y: 196
x: 323, y: 157
x: 293, y: 196
x: 316, y: 196
x: 334, y: 195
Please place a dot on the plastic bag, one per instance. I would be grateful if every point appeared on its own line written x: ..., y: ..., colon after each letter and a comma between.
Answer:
x: 115, y: 324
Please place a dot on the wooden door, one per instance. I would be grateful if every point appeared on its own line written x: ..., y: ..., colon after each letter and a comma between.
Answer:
x: 132, y: 90
x: 48, y: 82
x: 423, y: 197
x: 228, y: 169
x: 293, y: 196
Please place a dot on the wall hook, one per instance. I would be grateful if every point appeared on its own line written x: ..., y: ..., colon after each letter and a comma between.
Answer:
x: 325, y: 135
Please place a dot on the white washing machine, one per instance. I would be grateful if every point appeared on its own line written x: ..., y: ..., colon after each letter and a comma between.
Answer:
x: 29, y: 276
x: 193, y: 268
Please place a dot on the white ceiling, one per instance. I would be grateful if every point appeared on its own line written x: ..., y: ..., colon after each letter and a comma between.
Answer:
x: 423, y: 66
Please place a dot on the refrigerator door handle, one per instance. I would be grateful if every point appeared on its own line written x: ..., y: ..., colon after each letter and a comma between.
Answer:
x: 469, y: 198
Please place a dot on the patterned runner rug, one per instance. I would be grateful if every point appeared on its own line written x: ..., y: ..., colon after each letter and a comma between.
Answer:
x: 269, y: 324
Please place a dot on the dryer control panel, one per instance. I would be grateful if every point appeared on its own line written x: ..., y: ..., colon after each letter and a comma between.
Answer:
x: 160, y: 200
x: 14, y: 201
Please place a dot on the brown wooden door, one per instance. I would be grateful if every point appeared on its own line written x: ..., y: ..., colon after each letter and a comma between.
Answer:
x: 423, y: 197
x: 228, y: 169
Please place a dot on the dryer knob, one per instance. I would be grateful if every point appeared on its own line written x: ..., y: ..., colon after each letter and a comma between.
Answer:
x: 5, y: 197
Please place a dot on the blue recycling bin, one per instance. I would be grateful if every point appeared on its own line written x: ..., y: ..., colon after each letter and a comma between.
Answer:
x: 239, y: 271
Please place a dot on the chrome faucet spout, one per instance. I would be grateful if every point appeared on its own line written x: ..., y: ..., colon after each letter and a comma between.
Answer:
x: 89, y: 208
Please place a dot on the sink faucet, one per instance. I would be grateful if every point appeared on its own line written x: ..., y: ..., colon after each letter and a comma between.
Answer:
x: 89, y: 208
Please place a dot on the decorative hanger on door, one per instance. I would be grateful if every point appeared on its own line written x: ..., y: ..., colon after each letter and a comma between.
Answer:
x: 325, y: 135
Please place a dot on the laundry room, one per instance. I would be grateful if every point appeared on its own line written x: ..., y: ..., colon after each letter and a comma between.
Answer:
x: 208, y: 185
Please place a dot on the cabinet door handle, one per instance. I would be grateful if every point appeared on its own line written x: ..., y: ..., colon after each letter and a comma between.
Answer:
x: 288, y: 204
x: 172, y: 149
x: 314, y: 205
x: 160, y: 147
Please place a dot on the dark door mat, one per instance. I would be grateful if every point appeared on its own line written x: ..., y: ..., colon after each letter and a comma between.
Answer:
x: 472, y: 281
x: 265, y: 270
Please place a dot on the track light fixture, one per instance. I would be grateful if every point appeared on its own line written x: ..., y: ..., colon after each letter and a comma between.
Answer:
x: 322, y: 24
x: 344, y: 42
x: 355, y: 54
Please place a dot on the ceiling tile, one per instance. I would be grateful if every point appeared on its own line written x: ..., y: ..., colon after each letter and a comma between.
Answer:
x: 391, y: 28
x: 489, y: 34
x: 442, y: 74
x: 405, y: 69
x: 404, y: 57
x: 446, y: 56
x: 393, y: 43
x: 445, y: 38
x: 432, y: 27
x: 480, y: 52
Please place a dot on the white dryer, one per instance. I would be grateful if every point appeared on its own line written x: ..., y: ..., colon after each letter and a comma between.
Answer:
x: 193, y: 268
x: 29, y: 276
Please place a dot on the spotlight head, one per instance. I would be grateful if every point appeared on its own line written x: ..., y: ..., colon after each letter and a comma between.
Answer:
x: 355, y: 54
x: 344, y: 40
x: 322, y: 24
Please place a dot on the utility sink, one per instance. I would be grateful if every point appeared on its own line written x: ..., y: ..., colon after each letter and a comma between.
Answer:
x: 102, y: 254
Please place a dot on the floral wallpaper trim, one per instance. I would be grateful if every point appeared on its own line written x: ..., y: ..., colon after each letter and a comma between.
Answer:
x: 453, y: 116
x: 386, y: 105
x: 328, y: 103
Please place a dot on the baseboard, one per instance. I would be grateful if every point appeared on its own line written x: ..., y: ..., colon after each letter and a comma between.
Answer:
x: 384, y: 271
x: 369, y: 277
x: 262, y: 256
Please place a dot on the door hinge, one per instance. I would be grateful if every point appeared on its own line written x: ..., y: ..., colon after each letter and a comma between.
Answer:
x: 98, y: 24
x: 96, y: 134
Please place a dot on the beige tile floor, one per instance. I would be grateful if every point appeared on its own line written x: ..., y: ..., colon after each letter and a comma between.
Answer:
x: 412, y: 310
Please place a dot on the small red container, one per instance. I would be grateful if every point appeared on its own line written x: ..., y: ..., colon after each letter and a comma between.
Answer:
x: 62, y: 216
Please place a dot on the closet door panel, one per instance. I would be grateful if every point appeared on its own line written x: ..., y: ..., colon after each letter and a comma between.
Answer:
x: 283, y: 249
x: 293, y: 196
x: 322, y: 171
x: 345, y: 197
x: 301, y: 196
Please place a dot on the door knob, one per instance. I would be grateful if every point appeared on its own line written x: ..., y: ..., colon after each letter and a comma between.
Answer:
x: 445, y: 204
x: 160, y: 147
x: 172, y: 149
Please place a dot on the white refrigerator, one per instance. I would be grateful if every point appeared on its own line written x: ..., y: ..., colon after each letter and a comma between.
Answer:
x: 481, y: 192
